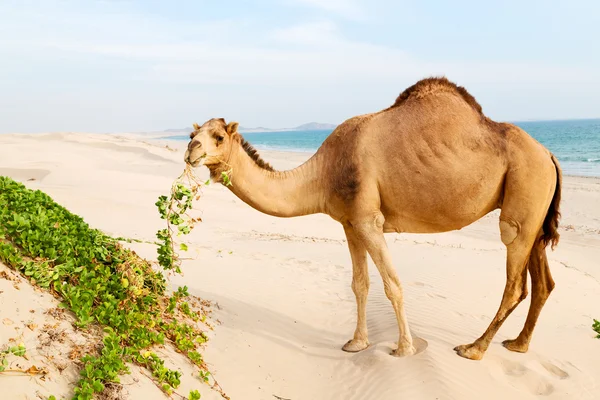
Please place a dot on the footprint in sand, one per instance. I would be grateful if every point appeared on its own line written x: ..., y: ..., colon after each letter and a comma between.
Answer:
x: 435, y: 295
x: 420, y: 344
x: 531, y: 380
x: 513, y: 368
x: 380, y: 353
x: 421, y: 284
x: 554, y: 370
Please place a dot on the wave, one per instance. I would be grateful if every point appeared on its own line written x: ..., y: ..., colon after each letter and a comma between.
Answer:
x: 581, y: 159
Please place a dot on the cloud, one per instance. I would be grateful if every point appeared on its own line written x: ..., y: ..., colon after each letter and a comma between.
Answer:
x: 239, y: 51
x: 134, y: 64
x: 345, y: 8
x: 311, y: 53
x: 316, y: 33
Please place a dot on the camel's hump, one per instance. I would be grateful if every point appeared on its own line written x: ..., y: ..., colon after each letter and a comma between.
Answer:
x: 430, y: 86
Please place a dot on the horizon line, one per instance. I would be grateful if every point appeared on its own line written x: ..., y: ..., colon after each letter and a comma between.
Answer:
x: 282, y: 129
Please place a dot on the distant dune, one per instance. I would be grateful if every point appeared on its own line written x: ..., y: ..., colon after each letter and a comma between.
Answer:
x: 313, y: 126
x: 310, y: 126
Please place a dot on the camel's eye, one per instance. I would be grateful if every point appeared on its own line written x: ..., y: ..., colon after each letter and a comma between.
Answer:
x: 219, y: 139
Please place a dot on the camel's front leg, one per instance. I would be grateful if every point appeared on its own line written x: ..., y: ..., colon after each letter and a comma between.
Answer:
x: 360, y: 287
x: 370, y: 232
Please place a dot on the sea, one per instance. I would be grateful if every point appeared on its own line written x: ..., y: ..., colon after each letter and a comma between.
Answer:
x: 576, y: 143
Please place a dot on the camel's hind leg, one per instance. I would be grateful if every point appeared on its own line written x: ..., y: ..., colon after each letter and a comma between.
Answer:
x: 360, y: 287
x: 514, y: 291
x: 541, y: 286
x: 529, y: 190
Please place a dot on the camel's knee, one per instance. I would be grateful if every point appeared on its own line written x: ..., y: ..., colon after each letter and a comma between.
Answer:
x: 509, y: 230
x: 513, y: 301
x: 548, y: 281
x: 545, y: 287
x: 360, y: 285
x: 523, y: 295
x: 523, y: 292
x: 516, y: 293
x: 369, y: 224
x: 550, y: 285
x: 393, y: 291
x: 540, y: 272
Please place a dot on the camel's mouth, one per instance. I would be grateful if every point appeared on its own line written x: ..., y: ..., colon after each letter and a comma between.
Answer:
x: 206, y: 160
x: 197, y: 161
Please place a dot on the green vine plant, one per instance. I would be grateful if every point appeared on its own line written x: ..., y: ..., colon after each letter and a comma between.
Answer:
x: 16, y: 350
x: 175, y: 210
x: 112, y: 292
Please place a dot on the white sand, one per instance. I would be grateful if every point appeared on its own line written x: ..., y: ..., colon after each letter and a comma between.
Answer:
x: 283, y: 286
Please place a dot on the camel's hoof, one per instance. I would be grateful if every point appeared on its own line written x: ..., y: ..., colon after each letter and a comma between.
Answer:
x: 403, y: 352
x: 514, y: 345
x: 471, y: 351
x: 355, y: 345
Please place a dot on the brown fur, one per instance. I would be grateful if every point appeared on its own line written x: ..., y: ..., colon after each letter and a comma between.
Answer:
x: 428, y: 86
x: 551, y: 234
x: 253, y: 153
x: 435, y: 85
x: 345, y: 182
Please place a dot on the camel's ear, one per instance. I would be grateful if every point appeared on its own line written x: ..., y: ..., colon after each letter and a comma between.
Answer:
x: 196, y: 126
x: 231, y: 128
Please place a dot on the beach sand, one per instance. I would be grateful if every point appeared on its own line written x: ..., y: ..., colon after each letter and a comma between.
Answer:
x: 282, y: 296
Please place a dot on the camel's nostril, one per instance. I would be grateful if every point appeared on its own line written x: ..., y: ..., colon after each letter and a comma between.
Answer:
x: 194, y: 144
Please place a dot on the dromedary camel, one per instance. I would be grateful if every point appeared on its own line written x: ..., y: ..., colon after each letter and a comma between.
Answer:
x: 431, y: 162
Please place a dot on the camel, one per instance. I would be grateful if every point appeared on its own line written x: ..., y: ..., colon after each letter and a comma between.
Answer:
x: 430, y: 162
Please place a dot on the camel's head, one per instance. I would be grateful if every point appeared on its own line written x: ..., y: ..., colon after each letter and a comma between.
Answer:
x: 211, y: 143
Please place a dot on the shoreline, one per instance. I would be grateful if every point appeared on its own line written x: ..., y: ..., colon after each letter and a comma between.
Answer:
x: 162, y: 139
x: 180, y: 144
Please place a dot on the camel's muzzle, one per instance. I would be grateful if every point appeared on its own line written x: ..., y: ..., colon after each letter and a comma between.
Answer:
x: 193, y: 162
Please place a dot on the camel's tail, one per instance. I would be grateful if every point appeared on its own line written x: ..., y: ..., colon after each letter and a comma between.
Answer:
x: 550, y: 226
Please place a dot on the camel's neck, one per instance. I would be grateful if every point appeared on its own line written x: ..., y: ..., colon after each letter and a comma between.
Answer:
x: 279, y: 193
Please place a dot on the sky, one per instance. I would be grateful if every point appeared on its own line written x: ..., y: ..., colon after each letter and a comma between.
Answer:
x: 149, y: 65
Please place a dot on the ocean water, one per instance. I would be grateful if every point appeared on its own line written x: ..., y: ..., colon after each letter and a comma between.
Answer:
x: 576, y: 143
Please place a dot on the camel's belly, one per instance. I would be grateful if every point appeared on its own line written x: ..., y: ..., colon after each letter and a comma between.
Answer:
x: 440, y: 201
x: 430, y: 223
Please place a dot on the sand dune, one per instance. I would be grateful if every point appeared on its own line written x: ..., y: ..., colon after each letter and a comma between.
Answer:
x: 35, y: 319
x: 25, y: 174
x: 282, y: 286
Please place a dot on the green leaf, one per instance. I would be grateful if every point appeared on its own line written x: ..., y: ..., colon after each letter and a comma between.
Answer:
x: 225, y: 178
x: 98, y: 386
x: 183, y: 246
